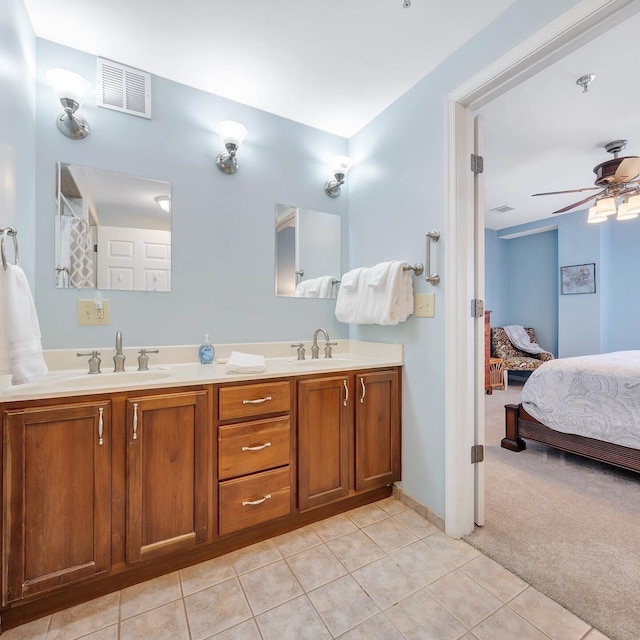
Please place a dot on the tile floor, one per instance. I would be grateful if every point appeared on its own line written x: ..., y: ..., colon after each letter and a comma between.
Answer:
x: 379, y: 572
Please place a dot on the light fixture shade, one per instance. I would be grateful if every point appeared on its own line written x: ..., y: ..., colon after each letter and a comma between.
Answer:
x: 624, y: 212
x: 68, y: 85
x: 634, y: 204
x: 340, y: 165
x: 232, y: 132
x: 595, y: 217
x: 164, y: 202
x: 606, y: 206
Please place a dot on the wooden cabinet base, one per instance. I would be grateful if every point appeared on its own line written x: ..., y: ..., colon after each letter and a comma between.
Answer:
x: 28, y: 610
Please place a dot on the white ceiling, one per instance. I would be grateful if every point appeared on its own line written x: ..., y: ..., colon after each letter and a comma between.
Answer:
x: 547, y: 135
x: 330, y: 64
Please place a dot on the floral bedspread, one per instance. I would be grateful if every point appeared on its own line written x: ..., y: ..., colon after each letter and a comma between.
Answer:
x: 596, y: 396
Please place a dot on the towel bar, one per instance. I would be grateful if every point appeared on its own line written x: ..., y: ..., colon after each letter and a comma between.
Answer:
x: 431, y: 278
x: 4, y: 232
x: 417, y: 268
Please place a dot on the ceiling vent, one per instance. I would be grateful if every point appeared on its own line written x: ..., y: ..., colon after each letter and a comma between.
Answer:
x: 124, y: 89
x: 502, y: 209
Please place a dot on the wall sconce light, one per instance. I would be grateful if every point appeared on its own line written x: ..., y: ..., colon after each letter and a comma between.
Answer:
x: 232, y: 134
x: 71, y: 90
x: 164, y: 202
x: 339, y: 168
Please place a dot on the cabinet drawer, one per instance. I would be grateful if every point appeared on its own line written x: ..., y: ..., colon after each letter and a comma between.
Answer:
x: 252, y: 500
x: 253, y: 446
x: 245, y: 401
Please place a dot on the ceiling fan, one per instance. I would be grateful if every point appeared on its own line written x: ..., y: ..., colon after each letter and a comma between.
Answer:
x: 614, y: 178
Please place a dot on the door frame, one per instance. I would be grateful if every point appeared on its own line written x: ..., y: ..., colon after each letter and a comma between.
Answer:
x: 585, y: 20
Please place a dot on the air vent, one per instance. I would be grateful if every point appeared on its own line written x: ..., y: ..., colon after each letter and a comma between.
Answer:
x: 502, y: 209
x: 124, y: 89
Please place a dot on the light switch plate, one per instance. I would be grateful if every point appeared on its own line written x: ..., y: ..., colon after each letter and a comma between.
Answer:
x: 425, y: 305
x: 88, y: 314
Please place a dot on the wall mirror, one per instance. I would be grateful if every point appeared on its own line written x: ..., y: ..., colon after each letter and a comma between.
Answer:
x: 112, y: 230
x: 308, y: 252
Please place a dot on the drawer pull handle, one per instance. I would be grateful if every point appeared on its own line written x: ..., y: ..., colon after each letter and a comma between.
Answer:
x: 258, y: 401
x: 135, y: 420
x: 346, y: 393
x: 100, y: 427
x: 257, y: 448
x: 248, y: 503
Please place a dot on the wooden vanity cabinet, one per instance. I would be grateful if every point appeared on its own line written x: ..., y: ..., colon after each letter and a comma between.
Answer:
x: 377, y: 432
x: 255, y: 445
x: 348, y: 435
x: 56, y: 496
x: 169, y: 473
x: 325, y: 429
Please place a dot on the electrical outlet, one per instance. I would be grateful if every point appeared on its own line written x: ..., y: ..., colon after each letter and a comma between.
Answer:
x: 90, y: 313
x: 425, y: 305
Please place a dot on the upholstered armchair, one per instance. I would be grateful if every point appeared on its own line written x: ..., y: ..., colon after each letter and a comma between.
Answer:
x: 514, y: 359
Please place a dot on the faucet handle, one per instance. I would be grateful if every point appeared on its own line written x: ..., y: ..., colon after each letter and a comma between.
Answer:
x: 300, y: 347
x: 94, y: 360
x: 328, y: 350
x: 143, y: 358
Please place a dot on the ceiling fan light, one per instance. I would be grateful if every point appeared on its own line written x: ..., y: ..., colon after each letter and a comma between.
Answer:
x: 634, y: 204
x: 595, y: 217
x: 624, y: 213
x: 606, y: 206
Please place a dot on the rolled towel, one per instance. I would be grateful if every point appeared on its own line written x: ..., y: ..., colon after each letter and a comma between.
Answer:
x: 239, y: 362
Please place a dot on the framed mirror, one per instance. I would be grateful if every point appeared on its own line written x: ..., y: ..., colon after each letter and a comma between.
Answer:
x: 308, y: 251
x: 112, y: 230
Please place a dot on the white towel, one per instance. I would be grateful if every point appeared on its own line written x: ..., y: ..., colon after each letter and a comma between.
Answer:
x: 349, y: 280
x: 325, y: 289
x: 384, y: 296
x: 22, y: 338
x: 239, y: 362
x: 308, y: 288
x: 348, y: 296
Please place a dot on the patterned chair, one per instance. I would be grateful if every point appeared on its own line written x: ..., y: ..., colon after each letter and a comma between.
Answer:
x: 514, y: 359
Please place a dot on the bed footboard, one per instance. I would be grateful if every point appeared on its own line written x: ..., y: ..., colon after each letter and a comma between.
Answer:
x: 512, y: 440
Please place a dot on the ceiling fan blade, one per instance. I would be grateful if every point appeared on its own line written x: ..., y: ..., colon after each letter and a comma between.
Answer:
x: 627, y: 170
x: 553, y: 193
x: 576, y: 204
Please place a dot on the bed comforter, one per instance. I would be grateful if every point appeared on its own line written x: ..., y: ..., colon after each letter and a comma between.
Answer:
x: 595, y: 396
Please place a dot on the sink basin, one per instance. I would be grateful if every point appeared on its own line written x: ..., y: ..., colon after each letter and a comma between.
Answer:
x: 113, y: 379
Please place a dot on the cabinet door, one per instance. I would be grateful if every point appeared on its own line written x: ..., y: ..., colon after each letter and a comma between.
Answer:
x: 324, y: 428
x: 57, y: 497
x: 169, y: 473
x: 377, y: 429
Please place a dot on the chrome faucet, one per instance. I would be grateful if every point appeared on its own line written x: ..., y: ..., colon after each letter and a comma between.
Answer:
x: 327, y: 344
x: 119, y: 358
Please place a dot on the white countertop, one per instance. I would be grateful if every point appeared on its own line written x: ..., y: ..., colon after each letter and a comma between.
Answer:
x: 179, y: 366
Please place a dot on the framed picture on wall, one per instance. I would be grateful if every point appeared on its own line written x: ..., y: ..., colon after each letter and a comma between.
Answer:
x: 578, y: 278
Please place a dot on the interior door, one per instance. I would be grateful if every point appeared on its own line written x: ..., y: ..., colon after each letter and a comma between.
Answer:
x: 479, y: 352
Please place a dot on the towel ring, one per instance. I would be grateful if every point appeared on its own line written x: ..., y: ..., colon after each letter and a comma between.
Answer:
x: 9, y: 231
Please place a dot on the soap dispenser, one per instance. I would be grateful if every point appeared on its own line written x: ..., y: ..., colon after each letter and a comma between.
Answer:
x: 206, y: 351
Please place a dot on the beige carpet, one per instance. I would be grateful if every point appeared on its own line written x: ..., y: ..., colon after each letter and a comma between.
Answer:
x: 568, y: 526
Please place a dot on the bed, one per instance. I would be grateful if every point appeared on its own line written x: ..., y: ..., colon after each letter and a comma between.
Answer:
x: 587, y: 405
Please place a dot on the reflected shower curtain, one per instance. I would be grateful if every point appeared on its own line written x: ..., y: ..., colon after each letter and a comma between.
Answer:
x: 81, y: 255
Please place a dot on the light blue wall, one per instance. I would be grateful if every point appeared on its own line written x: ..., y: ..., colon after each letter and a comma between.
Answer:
x: 496, y: 278
x: 588, y: 323
x: 396, y: 194
x: 533, y: 285
x: 223, y: 226
x: 623, y: 285
x: 17, y: 130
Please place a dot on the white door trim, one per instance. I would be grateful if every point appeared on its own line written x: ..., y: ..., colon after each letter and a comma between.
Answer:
x: 566, y: 33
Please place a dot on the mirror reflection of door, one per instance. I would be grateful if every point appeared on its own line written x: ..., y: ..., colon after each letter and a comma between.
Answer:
x: 112, y: 230
x: 308, y: 252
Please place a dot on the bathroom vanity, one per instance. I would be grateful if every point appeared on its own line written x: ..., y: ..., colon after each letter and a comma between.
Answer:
x: 109, y: 483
